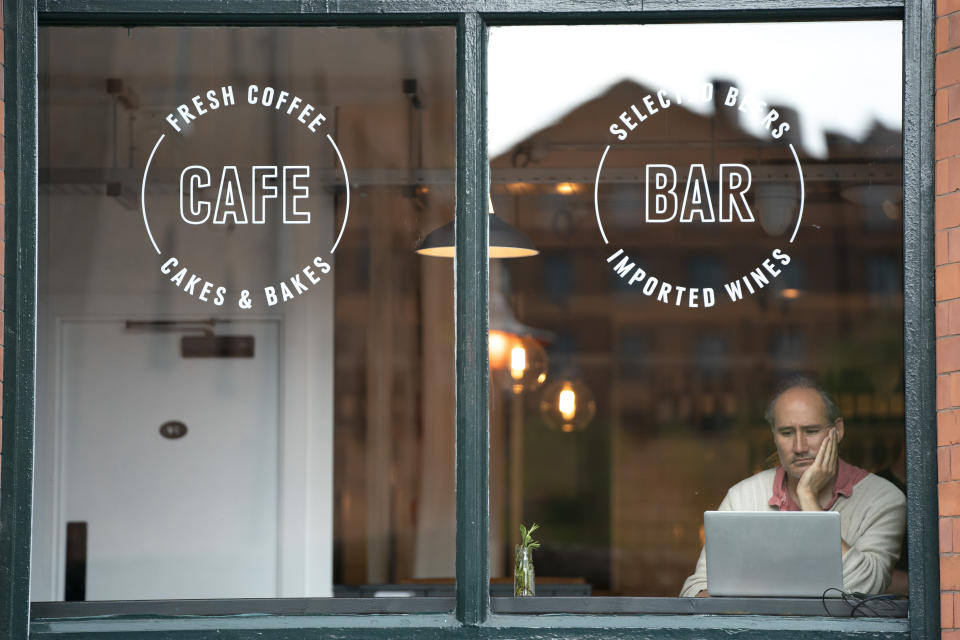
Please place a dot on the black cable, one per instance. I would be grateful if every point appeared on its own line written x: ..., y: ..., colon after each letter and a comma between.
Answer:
x: 881, y: 599
x: 862, y: 602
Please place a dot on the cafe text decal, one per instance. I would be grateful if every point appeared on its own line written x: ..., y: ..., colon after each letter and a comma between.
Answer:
x: 669, y: 199
x: 230, y: 196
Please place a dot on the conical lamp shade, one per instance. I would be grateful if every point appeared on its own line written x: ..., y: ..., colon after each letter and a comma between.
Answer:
x: 505, y: 241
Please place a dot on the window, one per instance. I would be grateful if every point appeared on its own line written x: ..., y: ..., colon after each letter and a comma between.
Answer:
x: 470, y: 378
x: 726, y: 200
x: 293, y: 445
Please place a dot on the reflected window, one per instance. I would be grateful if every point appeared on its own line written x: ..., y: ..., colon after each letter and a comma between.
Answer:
x: 732, y: 228
x: 244, y: 368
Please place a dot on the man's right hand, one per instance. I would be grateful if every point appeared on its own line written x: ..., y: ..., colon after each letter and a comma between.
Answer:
x: 821, y: 472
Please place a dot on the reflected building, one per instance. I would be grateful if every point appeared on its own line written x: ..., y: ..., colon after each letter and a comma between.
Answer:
x: 680, y: 392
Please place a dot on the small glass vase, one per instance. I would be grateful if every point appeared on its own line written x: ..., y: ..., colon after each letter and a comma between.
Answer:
x: 523, y: 578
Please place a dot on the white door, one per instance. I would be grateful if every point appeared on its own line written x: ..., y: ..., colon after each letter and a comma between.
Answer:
x: 190, y: 517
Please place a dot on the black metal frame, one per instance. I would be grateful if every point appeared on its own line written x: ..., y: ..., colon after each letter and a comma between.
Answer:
x: 473, y: 617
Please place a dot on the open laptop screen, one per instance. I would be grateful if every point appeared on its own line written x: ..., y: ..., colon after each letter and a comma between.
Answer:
x: 772, y: 553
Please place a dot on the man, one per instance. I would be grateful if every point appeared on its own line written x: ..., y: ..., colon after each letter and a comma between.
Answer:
x: 811, y: 477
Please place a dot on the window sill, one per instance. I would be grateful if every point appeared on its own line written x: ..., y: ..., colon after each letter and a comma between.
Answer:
x: 415, y: 619
x: 46, y: 611
x: 831, y: 607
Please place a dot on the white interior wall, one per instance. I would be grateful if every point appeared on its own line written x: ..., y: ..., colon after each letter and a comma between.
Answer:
x: 97, y: 264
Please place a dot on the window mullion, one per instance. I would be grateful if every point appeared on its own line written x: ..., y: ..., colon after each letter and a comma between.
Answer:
x: 472, y: 277
x: 20, y: 304
x: 919, y: 307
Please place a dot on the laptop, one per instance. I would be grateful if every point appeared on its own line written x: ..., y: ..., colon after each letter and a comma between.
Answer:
x: 773, y: 553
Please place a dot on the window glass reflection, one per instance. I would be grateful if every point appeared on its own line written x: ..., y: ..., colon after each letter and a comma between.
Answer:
x: 659, y: 172
x: 189, y: 446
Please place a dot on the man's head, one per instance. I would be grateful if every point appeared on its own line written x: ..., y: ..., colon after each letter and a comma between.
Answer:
x: 801, y: 415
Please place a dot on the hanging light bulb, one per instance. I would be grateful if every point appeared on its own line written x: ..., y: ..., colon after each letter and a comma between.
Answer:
x: 499, y: 344
x: 568, y: 405
x: 519, y: 363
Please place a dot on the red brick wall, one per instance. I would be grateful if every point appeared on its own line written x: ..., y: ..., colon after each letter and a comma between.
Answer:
x: 947, y: 249
x: 947, y: 291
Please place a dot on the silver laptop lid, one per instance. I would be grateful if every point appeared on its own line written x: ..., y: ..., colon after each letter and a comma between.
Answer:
x: 772, y: 553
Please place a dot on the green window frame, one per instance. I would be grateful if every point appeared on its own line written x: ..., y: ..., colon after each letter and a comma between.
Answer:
x: 472, y: 617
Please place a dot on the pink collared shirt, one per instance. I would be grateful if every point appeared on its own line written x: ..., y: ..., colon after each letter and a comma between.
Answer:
x: 847, y: 477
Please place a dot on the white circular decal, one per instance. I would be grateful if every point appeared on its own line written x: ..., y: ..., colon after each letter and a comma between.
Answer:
x: 683, y: 195
x: 250, y: 193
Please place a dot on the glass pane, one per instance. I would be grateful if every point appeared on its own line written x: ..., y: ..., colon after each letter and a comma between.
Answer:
x: 244, y: 370
x: 659, y: 173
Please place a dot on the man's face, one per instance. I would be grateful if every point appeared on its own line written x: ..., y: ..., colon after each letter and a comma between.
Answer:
x: 800, y: 425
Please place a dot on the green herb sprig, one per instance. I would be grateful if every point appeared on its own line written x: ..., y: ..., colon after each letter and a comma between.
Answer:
x: 526, y: 537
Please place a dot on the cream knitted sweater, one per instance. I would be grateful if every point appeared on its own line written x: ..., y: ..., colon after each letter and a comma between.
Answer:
x: 872, y: 521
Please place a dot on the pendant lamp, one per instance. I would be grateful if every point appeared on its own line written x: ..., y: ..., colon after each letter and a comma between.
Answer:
x: 506, y: 241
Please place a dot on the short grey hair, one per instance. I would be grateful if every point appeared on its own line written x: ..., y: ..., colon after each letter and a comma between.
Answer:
x: 801, y: 381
